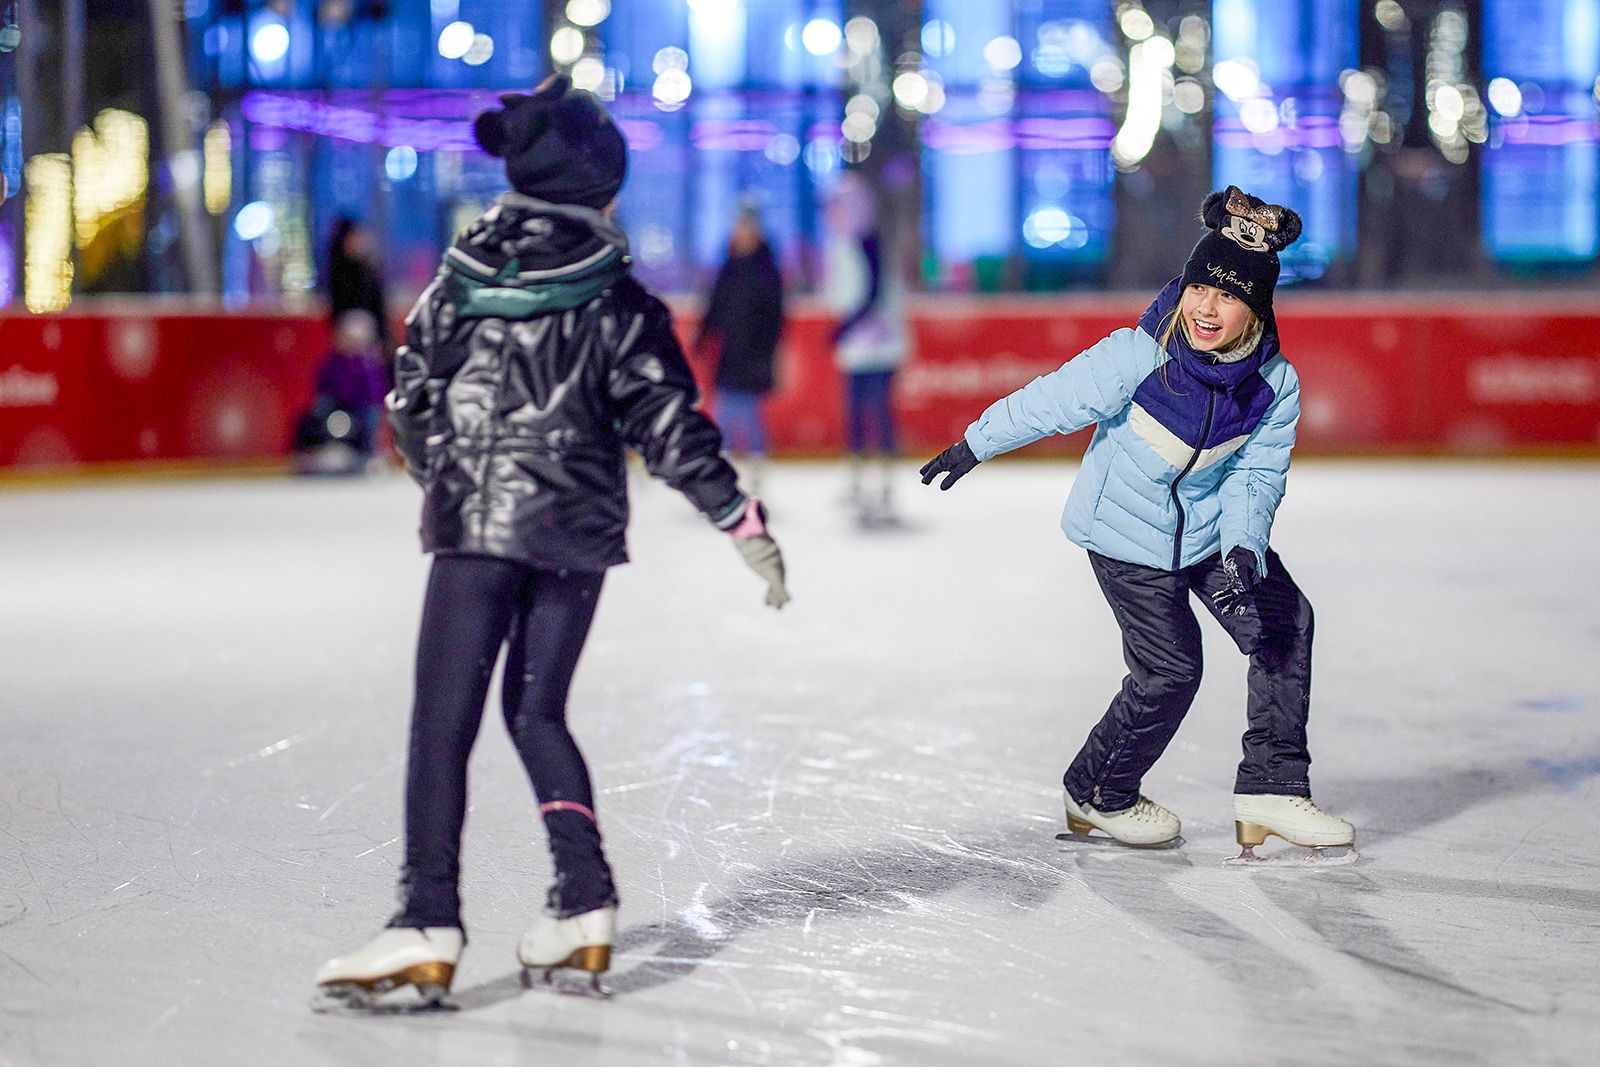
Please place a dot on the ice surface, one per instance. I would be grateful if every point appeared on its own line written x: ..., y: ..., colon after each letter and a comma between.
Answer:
x: 834, y: 827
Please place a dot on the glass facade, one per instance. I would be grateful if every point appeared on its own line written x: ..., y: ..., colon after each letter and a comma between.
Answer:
x: 727, y: 104
x: 1015, y: 167
x: 357, y: 116
x: 1020, y: 145
x: 10, y: 152
x: 1276, y: 129
x: 1541, y: 59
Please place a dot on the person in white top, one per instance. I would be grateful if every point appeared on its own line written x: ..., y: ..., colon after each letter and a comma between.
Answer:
x: 869, y: 337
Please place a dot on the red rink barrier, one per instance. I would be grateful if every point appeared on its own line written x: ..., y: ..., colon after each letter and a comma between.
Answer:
x: 1463, y: 375
x: 135, y: 386
x: 1467, y: 376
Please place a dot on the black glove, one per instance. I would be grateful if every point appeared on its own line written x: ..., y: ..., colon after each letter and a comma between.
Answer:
x: 1241, y: 578
x: 953, y: 462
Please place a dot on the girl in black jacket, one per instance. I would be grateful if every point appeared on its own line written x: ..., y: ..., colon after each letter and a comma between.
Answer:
x: 532, y: 359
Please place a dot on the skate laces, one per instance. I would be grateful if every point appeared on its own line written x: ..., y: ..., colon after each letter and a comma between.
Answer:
x: 1308, y: 807
x: 1146, y: 810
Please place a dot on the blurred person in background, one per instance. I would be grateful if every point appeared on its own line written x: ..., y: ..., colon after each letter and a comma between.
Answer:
x: 530, y: 363
x: 1196, y: 411
x: 869, y: 338
x: 340, y: 433
x: 354, y: 281
x: 743, y: 320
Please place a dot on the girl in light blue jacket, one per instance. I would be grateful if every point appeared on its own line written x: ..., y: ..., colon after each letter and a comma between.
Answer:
x: 1195, y: 412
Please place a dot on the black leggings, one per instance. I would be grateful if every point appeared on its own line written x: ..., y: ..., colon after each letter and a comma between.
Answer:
x: 474, y: 605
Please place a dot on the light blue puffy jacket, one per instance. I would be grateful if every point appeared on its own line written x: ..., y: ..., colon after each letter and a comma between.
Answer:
x: 1189, y: 458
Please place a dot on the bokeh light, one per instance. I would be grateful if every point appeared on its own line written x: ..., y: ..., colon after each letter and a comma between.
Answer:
x: 567, y: 45
x: 269, y: 42
x: 455, y: 39
x: 821, y: 37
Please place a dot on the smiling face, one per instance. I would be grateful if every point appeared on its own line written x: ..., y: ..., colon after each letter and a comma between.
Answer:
x: 1214, y: 318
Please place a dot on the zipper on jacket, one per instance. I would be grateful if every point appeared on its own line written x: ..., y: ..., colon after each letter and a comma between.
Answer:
x: 1205, y: 431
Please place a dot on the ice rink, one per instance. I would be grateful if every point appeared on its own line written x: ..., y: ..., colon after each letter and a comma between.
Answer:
x: 834, y: 827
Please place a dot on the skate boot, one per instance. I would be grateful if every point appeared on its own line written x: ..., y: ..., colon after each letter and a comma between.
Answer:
x: 399, y: 956
x: 582, y: 943
x: 1145, y: 825
x: 1295, y: 819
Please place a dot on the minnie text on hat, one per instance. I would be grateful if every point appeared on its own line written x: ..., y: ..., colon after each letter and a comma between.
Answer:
x: 1222, y: 274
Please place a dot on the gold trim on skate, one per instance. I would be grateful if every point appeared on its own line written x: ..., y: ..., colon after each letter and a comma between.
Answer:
x: 1250, y: 834
x: 594, y: 958
x: 433, y: 973
x: 1081, y: 829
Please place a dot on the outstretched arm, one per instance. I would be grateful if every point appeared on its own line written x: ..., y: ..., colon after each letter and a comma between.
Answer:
x: 654, y: 397
x: 1096, y: 384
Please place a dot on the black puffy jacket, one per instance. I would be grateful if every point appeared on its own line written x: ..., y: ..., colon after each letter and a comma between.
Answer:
x: 529, y: 362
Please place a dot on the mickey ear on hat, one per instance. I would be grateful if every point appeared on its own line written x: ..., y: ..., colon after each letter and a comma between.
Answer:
x: 489, y: 129
x: 1280, y: 226
x: 1288, y: 231
x: 522, y: 120
x: 1214, y: 212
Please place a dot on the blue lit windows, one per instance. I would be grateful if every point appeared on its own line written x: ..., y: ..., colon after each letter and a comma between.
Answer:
x: 1276, y: 132
x: 1541, y: 173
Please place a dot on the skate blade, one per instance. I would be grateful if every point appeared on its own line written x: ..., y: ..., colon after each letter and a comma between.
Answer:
x: 593, y: 960
x: 431, y: 981
x: 1104, y: 840
x: 547, y: 979
x: 1312, y: 857
x: 346, y: 1000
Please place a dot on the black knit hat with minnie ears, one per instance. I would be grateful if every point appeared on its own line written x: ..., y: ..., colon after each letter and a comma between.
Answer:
x: 559, y: 144
x: 1239, y: 252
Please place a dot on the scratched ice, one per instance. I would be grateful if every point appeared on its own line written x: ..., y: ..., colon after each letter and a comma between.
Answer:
x: 834, y: 827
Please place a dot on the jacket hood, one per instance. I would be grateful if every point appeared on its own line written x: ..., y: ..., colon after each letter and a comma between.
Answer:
x: 1219, y: 375
x: 526, y: 256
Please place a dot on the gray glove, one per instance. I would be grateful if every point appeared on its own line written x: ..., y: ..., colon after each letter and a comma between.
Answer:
x: 762, y: 556
x: 760, y: 552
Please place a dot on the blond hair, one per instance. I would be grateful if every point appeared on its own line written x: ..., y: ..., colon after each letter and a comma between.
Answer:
x: 1241, y: 347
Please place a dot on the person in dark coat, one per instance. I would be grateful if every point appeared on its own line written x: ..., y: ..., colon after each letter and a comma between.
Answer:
x: 354, y: 282
x: 531, y: 362
x: 744, y: 318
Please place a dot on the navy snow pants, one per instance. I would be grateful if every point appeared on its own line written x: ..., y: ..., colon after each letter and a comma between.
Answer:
x: 474, y: 605
x: 1161, y: 645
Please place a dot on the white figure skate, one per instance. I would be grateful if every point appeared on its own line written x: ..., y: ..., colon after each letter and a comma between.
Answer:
x: 1294, y: 819
x: 1145, y: 825
x: 399, y: 956
x: 581, y: 943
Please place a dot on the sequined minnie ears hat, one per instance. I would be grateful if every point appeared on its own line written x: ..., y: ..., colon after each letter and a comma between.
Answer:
x: 1239, y: 252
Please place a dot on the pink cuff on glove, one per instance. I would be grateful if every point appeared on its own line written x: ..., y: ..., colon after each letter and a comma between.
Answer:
x: 751, y: 525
